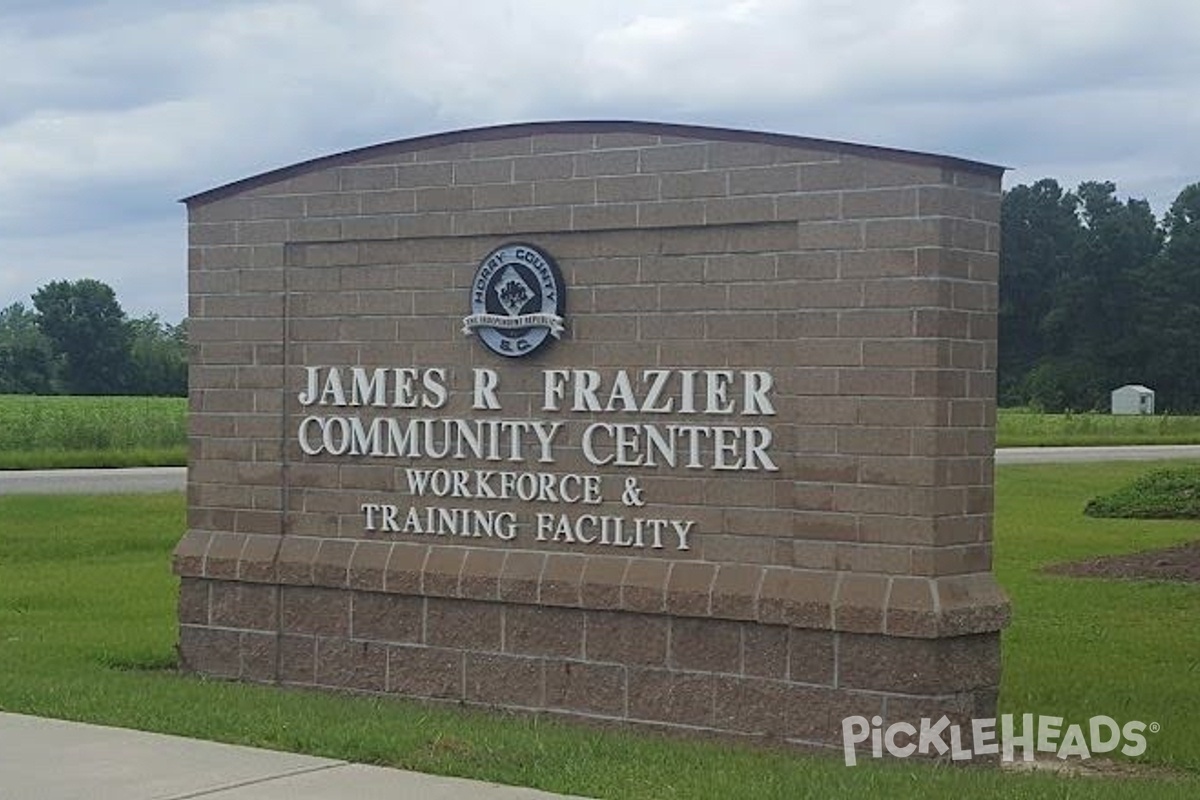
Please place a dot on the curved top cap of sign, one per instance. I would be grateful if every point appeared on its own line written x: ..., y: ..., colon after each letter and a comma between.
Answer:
x: 699, y: 132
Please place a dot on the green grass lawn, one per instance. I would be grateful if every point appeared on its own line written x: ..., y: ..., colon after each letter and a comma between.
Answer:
x: 1023, y: 428
x: 87, y: 632
x: 58, y: 432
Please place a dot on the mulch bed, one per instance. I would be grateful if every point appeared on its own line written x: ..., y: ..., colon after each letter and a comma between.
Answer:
x: 1179, y: 563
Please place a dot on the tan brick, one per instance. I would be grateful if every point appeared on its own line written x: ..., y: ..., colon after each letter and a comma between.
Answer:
x: 624, y: 638
x: 209, y: 651
x: 504, y: 680
x: 674, y: 158
x: 624, y: 189
x: 351, y: 665
x: 533, y: 631
x: 609, y: 162
x: 670, y: 213
x: 314, y: 611
x: 764, y: 180
x: 705, y: 645
x: 387, y: 617
x: 694, y: 185
x: 425, y: 672
x: 672, y: 697
x: 463, y: 624
x: 587, y: 688
x: 612, y: 215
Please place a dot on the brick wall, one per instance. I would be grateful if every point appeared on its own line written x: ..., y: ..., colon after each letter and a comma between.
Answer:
x: 857, y: 575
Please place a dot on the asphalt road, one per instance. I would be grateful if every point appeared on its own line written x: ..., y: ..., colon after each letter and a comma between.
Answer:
x: 1070, y: 455
x: 137, y: 480
x: 171, y: 479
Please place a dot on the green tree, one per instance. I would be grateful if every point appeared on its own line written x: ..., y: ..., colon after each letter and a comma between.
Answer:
x: 1168, y: 322
x: 158, y: 357
x: 1040, y: 229
x: 85, y: 323
x: 27, y: 363
x: 1089, y: 336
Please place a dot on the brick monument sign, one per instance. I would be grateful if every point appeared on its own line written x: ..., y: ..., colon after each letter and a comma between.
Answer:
x: 670, y: 425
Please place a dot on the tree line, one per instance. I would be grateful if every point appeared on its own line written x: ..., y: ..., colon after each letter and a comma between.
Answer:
x: 1096, y: 293
x: 76, y: 339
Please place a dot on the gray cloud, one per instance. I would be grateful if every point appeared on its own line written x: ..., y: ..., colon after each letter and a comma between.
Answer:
x: 112, y: 110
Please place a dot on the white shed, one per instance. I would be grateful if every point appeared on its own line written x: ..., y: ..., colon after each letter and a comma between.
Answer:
x: 1133, y: 399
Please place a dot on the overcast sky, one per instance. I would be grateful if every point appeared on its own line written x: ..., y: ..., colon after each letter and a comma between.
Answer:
x: 110, y: 111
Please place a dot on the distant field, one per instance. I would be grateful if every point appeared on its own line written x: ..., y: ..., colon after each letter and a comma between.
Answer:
x: 49, y: 432
x: 56, y: 432
x: 1022, y: 428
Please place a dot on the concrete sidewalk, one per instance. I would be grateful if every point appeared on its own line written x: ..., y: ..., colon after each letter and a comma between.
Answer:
x: 54, y: 760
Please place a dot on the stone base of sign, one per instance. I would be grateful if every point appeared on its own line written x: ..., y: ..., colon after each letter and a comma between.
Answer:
x: 609, y: 639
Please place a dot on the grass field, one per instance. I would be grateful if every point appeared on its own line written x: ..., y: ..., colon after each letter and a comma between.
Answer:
x: 56, y: 432
x: 60, y: 432
x: 87, y: 632
x: 1023, y: 428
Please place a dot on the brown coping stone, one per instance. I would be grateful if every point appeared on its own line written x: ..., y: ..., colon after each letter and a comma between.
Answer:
x: 970, y: 603
x: 774, y: 595
x: 561, y: 579
x: 520, y: 576
x: 911, y: 608
x: 257, y: 560
x: 689, y: 588
x: 643, y: 587
x: 331, y: 566
x: 799, y: 598
x: 405, y: 567
x: 221, y: 559
x: 735, y: 591
x: 480, y: 577
x: 859, y: 603
x: 296, y: 554
x: 440, y: 576
x: 188, y: 557
x: 368, y: 565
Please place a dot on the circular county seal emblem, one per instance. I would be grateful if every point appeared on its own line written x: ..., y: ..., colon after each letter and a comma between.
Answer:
x: 517, y: 300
